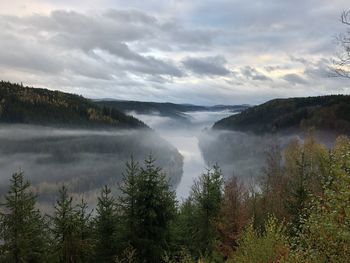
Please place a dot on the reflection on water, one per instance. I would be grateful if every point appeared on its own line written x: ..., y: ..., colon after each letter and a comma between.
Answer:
x: 184, y: 136
x: 193, y: 160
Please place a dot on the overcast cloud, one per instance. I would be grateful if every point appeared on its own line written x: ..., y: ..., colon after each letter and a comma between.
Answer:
x: 201, y: 51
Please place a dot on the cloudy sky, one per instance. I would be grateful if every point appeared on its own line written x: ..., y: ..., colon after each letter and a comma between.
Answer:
x: 198, y: 51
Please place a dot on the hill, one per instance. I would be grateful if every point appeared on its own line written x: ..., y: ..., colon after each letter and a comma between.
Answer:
x: 323, y: 113
x: 165, y: 109
x: 28, y: 105
x: 57, y: 138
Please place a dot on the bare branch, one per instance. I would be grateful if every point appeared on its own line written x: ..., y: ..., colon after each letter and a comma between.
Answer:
x: 341, y: 66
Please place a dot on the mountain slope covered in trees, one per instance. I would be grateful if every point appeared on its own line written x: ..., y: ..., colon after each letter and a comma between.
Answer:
x: 28, y: 105
x: 323, y: 113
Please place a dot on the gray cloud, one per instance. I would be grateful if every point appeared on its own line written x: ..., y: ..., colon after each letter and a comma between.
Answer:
x: 207, y: 65
x: 251, y: 73
x: 64, y: 32
x: 166, y: 50
x: 294, y: 79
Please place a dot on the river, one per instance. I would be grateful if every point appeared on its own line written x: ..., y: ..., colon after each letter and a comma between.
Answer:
x: 185, y: 139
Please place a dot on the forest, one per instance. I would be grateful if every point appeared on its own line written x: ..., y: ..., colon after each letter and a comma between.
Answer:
x: 19, y: 104
x: 330, y: 113
x: 297, y: 210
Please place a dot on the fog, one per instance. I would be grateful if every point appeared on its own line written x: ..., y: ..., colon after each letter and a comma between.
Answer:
x: 240, y: 154
x: 185, y: 135
x: 84, y: 160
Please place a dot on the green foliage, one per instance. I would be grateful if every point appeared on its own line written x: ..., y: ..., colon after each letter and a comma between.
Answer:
x: 200, y: 213
x: 65, y: 245
x: 184, y: 256
x: 128, y: 202
x: 106, y: 227
x: 20, y: 104
x: 22, y: 227
x: 266, y: 246
x: 155, y: 209
x: 83, y: 226
x: 325, y: 236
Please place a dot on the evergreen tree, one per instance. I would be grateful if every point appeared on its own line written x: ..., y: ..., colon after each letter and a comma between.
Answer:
x: 207, y: 197
x: 21, y: 225
x: 127, y: 201
x: 106, y: 227
x: 182, y: 229
x: 155, y: 209
x: 84, y: 232
x: 64, y: 230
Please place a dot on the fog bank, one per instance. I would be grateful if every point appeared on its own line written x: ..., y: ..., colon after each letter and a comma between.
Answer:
x: 184, y: 135
x: 84, y: 160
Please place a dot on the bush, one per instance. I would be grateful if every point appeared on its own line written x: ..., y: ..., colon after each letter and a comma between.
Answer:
x: 262, y: 246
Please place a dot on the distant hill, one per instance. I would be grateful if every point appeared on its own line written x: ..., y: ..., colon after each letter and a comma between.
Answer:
x: 323, y: 113
x: 165, y: 109
x: 28, y: 105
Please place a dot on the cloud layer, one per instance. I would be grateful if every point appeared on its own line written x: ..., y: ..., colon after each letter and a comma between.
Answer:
x: 204, y: 52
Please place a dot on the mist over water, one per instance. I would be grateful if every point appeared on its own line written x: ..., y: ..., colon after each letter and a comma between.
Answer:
x: 84, y: 160
x: 184, y: 135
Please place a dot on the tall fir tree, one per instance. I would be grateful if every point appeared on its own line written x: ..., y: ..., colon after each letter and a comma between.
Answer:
x: 207, y: 196
x: 106, y: 227
x: 127, y: 201
x: 83, y: 229
x: 154, y: 210
x: 64, y: 230
x: 22, y: 226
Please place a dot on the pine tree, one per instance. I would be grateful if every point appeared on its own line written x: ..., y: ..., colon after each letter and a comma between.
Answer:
x: 84, y: 232
x: 64, y: 229
x: 106, y: 227
x: 155, y: 209
x: 207, y: 197
x: 127, y: 201
x: 22, y: 227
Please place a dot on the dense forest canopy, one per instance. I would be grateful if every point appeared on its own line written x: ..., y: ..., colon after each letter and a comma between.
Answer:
x: 28, y: 105
x: 324, y: 113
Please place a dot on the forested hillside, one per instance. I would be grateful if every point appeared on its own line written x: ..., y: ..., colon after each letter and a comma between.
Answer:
x: 28, y: 105
x: 323, y: 113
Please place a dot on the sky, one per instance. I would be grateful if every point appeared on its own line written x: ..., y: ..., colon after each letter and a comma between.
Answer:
x: 198, y: 51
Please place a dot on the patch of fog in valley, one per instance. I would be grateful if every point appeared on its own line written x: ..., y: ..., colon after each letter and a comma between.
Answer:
x: 237, y: 153
x: 84, y: 160
x: 244, y: 154
x: 185, y: 136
